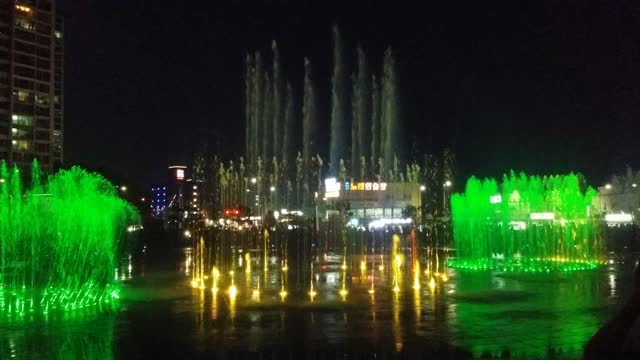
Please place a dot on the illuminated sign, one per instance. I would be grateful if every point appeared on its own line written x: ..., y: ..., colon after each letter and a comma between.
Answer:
x: 180, y: 174
x: 365, y: 186
x: 542, y: 216
x: 495, y: 199
x: 331, y: 188
x: 619, y: 218
x: 518, y: 225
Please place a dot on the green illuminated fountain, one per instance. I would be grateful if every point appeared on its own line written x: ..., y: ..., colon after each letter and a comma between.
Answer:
x: 58, y: 240
x: 529, y: 224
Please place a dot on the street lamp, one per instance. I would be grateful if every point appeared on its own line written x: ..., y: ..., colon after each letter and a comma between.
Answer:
x: 254, y: 180
x: 272, y: 189
x: 446, y: 185
x: 608, y: 186
x: 123, y: 188
x: 423, y: 188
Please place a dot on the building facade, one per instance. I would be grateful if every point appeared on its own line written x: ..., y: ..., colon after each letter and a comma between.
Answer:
x: 178, y: 194
x: 372, y: 200
x: 31, y: 83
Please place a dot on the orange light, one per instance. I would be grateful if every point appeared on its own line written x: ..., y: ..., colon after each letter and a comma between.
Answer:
x: 23, y: 8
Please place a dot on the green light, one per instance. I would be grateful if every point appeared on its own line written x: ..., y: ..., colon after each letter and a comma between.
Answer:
x: 58, y: 240
x: 542, y: 227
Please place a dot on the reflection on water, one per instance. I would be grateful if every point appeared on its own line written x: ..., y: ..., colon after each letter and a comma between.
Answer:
x: 288, y: 296
x: 83, y: 334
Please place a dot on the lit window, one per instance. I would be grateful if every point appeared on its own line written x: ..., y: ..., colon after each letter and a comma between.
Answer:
x: 21, y: 145
x: 42, y: 99
x: 22, y: 120
x: 24, y: 9
x: 24, y: 23
x: 22, y: 96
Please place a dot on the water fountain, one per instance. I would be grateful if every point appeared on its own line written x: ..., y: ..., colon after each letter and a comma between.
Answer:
x: 529, y: 223
x: 58, y: 240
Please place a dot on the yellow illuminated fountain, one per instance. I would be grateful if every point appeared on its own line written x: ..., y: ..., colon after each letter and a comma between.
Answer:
x: 197, y: 280
x: 266, y: 250
x: 247, y: 260
x: 397, y: 263
x: 312, y: 292
x: 233, y: 292
x: 215, y: 275
x: 343, y: 291
x: 416, y: 275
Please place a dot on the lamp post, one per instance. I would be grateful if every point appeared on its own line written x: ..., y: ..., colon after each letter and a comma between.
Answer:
x: 446, y: 186
x: 315, y: 200
x: 272, y: 189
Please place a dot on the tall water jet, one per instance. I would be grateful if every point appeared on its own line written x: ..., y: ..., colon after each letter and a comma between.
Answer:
x: 289, y: 130
x: 362, y: 113
x: 389, y: 106
x: 58, y: 240
x: 355, y: 131
x: 376, y: 147
x: 339, y: 105
x: 278, y: 103
x: 258, y: 102
x: 309, y: 121
x: 267, y: 119
x: 529, y: 223
x: 249, y: 109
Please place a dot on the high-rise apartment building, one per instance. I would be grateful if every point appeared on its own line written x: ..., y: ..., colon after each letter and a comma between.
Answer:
x: 31, y: 83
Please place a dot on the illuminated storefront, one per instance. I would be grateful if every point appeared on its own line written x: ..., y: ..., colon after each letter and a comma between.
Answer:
x: 365, y: 199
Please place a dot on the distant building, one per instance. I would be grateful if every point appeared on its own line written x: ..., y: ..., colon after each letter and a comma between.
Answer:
x: 372, y: 200
x: 158, y: 199
x: 31, y: 83
x: 177, y: 195
x: 621, y: 194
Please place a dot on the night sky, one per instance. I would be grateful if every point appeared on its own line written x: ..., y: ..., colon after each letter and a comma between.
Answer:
x: 541, y: 86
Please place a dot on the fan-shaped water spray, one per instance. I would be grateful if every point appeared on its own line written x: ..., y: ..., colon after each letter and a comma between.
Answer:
x: 58, y: 240
x: 530, y: 223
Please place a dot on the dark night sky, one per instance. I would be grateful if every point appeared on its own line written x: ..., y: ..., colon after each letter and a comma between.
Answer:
x: 543, y: 86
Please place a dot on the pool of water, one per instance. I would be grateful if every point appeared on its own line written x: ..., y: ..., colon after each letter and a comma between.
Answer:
x: 457, y: 315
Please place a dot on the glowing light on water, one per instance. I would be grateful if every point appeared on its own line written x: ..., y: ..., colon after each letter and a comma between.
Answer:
x: 233, y: 292
x: 215, y: 274
x: 247, y: 259
x: 432, y: 283
x: 265, y: 248
x: 343, y: 293
x: 416, y: 276
x: 312, y: 292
